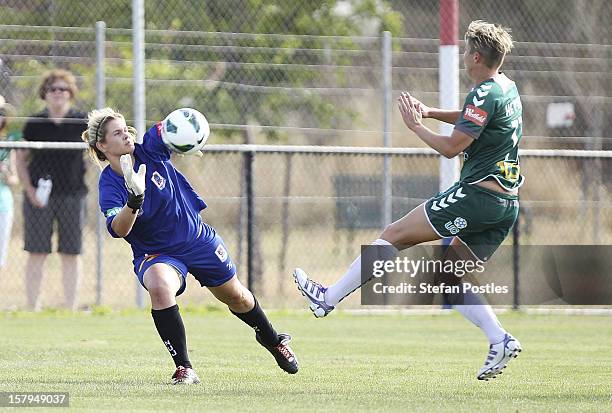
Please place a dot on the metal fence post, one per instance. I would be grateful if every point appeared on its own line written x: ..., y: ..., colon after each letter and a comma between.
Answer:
x: 516, y: 257
x: 139, y: 89
x: 249, y: 157
x: 100, y: 103
x: 387, y: 90
x: 282, y: 258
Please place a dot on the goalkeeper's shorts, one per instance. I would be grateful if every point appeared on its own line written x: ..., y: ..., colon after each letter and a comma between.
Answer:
x: 479, y: 217
x: 206, y: 258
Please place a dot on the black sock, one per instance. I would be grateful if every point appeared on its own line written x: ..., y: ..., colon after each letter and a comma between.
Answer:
x: 170, y: 327
x: 257, y: 319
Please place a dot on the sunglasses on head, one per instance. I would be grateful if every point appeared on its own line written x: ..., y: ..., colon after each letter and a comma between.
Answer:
x: 58, y: 89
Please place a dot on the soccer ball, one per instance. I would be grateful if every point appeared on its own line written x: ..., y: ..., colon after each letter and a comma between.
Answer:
x: 185, y: 131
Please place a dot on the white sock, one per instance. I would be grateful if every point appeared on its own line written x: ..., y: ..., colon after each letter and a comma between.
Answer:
x: 483, y: 316
x: 350, y: 281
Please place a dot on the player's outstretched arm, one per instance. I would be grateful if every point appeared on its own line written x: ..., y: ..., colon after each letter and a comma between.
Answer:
x: 443, y: 115
x: 124, y: 221
x: 448, y: 146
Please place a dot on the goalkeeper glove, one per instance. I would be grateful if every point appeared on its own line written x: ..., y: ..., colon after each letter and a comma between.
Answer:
x: 135, y: 182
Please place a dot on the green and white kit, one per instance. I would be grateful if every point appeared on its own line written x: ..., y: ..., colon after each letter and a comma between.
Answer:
x: 492, y: 116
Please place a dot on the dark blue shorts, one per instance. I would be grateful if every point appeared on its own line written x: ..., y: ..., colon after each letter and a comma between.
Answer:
x: 206, y: 258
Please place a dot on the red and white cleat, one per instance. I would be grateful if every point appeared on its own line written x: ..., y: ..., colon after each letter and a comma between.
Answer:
x: 185, y: 375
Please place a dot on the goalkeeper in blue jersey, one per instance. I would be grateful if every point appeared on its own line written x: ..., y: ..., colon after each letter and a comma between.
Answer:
x: 151, y: 205
x: 477, y: 211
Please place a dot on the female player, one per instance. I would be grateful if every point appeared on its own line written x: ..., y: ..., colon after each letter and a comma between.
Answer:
x: 157, y: 212
x: 484, y: 203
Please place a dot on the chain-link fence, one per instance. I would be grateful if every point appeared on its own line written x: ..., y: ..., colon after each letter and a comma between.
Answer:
x: 313, y: 210
x: 312, y: 74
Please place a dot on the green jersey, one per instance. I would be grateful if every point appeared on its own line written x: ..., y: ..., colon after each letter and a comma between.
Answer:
x: 492, y: 115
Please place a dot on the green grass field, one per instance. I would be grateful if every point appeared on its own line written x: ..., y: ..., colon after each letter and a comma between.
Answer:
x: 116, y: 362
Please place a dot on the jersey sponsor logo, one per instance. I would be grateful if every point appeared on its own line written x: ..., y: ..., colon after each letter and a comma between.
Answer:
x: 510, y: 170
x: 475, y: 115
x: 221, y: 253
x: 112, y: 212
x: 158, y: 180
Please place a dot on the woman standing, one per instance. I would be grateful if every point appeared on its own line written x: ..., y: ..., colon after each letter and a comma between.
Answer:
x: 64, y: 171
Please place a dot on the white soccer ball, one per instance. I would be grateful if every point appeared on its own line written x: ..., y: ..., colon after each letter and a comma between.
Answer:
x: 185, y: 131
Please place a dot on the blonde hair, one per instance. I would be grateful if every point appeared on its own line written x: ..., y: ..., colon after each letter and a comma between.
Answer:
x: 492, y: 41
x: 57, y: 74
x: 97, y: 120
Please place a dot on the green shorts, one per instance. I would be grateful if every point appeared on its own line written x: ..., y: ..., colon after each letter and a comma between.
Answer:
x: 479, y: 217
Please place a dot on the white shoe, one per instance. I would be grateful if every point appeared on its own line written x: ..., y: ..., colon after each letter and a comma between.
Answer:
x: 499, y: 356
x: 314, y: 293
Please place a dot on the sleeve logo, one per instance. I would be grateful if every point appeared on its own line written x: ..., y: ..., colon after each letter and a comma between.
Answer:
x: 221, y: 253
x: 475, y: 115
x: 112, y: 212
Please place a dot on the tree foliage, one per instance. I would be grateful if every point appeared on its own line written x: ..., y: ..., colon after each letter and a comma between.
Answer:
x: 261, y: 76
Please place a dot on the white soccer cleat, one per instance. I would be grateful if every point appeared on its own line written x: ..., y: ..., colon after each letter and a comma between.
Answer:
x: 314, y: 293
x: 499, y: 356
